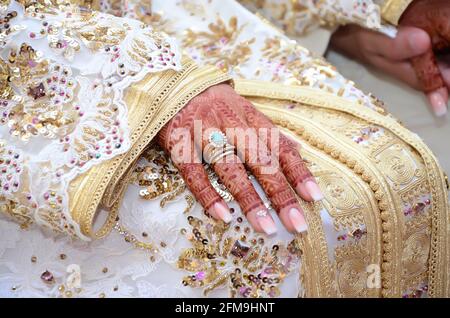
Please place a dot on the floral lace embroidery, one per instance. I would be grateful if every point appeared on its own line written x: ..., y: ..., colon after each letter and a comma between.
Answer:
x: 76, y: 104
x: 300, y: 16
x: 221, y: 45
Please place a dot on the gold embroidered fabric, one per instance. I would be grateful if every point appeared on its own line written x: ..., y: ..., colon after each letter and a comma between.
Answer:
x: 392, y: 10
x: 383, y: 188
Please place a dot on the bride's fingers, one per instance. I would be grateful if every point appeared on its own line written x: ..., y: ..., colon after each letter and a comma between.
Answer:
x: 292, y: 164
x: 266, y: 170
x: 427, y: 71
x: 233, y: 175
x: 264, y: 167
x: 294, y: 168
x: 445, y: 70
x: 198, y: 183
x: 432, y: 82
x: 182, y: 151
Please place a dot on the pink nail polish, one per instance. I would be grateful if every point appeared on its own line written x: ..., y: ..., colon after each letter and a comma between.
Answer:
x: 298, y: 221
x: 222, y: 212
x: 440, y: 109
x: 314, y: 190
x: 267, y: 224
x: 438, y: 103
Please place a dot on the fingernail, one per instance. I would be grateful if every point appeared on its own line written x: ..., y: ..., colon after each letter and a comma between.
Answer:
x: 222, y: 212
x: 439, y: 104
x: 298, y: 221
x: 314, y: 191
x: 267, y: 224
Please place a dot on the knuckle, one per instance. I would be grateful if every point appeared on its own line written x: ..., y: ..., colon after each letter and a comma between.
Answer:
x: 234, y: 176
x: 283, y: 198
x: 273, y: 183
x: 248, y: 200
x: 194, y: 177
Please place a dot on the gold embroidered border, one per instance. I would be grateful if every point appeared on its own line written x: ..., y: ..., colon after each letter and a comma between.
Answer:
x: 439, y: 262
x: 392, y: 10
x: 365, y: 169
x: 316, y: 251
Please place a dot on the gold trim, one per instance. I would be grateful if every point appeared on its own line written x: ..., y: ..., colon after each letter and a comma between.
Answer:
x: 316, y: 250
x: 316, y: 136
x: 439, y: 261
x: 392, y: 10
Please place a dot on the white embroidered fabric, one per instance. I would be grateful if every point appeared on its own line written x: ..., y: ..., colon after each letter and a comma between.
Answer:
x: 112, y: 267
x: 299, y: 17
x: 69, y: 114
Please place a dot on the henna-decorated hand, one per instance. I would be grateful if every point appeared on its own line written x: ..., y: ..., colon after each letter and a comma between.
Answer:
x: 271, y: 157
x: 432, y: 16
x: 423, y: 35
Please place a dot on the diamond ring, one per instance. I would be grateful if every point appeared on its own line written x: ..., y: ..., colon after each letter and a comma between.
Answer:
x: 217, y: 148
x: 262, y: 213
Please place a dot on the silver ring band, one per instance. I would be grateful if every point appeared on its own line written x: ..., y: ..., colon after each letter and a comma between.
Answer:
x: 217, y: 148
x: 221, y: 155
x: 262, y: 213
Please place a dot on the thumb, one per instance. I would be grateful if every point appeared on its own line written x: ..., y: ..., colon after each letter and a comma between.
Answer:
x: 408, y: 43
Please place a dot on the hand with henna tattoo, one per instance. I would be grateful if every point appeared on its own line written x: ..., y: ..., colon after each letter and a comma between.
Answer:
x: 416, y: 56
x: 259, y: 147
x: 432, y: 16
